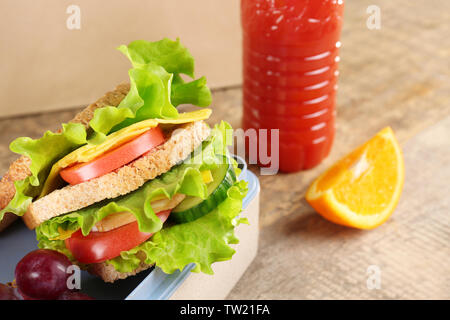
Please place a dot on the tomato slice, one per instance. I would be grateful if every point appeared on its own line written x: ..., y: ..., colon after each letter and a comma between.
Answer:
x: 101, y: 246
x: 113, y: 159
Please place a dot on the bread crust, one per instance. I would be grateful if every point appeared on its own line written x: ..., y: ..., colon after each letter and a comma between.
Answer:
x: 19, y: 169
x: 180, y: 144
x: 108, y: 273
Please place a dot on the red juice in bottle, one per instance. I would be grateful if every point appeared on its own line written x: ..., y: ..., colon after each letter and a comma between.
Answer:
x: 290, y: 58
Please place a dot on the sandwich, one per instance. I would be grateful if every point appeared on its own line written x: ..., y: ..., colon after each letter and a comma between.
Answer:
x: 132, y: 182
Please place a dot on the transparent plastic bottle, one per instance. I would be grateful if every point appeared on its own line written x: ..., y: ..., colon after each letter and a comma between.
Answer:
x: 290, y: 57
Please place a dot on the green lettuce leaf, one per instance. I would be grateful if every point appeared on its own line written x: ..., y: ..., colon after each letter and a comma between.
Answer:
x: 148, y: 98
x: 47, y: 150
x: 175, y: 59
x: 203, y: 241
x: 223, y: 137
x: 21, y: 200
x: 169, y: 54
x: 156, y: 87
x: 43, y: 152
x: 195, y: 92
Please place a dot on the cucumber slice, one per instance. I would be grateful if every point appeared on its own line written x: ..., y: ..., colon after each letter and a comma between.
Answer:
x: 193, y: 208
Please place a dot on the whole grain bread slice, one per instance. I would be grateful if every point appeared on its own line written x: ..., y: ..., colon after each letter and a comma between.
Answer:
x: 108, y: 273
x: 19, y: 169
x: 180, y: 143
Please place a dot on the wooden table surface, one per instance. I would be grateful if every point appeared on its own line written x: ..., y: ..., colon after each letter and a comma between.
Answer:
x: 397, y: 76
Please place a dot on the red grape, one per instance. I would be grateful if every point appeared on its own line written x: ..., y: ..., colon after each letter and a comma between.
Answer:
x: 41, y: 274
x: 74, y: 295
x: 8, y: 293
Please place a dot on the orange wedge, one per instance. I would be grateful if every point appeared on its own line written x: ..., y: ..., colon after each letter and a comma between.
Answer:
x: 362, y: 189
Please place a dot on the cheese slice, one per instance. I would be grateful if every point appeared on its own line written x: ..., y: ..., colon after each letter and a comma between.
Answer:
x: 119, y: 219
x: 207, y: 176
x: 63, y: 234
x: 89, y: 152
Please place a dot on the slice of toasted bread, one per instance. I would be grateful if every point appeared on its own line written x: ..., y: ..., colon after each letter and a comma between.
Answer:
x: 19, y: 169
x: 109, y: 274
x: 180, y: 144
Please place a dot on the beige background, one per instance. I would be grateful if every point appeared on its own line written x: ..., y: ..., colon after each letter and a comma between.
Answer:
x: 46, y: 66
